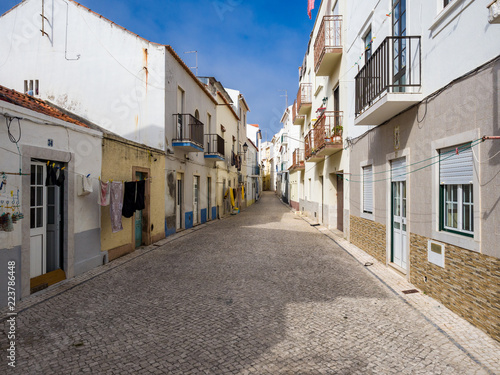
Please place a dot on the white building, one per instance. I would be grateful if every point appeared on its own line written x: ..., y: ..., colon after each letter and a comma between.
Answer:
x: 140, y: 90
x: 59, y: 236
x: 418, y: 160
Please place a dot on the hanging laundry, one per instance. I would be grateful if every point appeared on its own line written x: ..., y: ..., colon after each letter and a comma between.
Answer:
x: 140, y: 197
x: 116, y: 204
x: 60, y: 177
x: 104, y: 193
x: 84, y: 185
x: 129, y: 199
x: 51, y: 175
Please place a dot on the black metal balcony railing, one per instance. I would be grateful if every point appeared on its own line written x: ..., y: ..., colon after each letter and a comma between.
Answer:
x: 394, y: 67
x: 328, y: 39
x: 188, y: 129
x: 214, y: 145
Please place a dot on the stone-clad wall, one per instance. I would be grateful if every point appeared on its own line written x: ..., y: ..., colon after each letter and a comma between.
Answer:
x: 369, y: 236
x: 469, y: 284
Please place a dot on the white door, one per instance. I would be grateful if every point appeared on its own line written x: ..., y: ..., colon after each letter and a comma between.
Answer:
x: 196, y: 200
x: 399, y: 224
x: 179, y: 200
x: 38, y: 198
x: 400, y: 234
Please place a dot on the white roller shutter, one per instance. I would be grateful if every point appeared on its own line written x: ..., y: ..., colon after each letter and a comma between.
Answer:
x: 398, y: 170
x: 456, y: 169
x: 367, y: 189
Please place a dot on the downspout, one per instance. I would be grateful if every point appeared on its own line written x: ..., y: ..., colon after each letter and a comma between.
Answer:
x: 66, y: 41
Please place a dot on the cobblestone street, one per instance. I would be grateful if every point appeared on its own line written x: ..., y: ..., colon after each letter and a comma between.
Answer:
x: 262, y: 292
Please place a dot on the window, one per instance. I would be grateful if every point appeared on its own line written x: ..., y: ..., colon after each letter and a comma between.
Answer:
x: 368, y: 189
x: 368, y: 45
x: 446, y: 2
x: 456, y: 174
x: 32, y: 87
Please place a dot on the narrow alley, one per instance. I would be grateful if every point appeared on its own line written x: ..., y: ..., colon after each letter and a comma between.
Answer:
x: 261, y: 292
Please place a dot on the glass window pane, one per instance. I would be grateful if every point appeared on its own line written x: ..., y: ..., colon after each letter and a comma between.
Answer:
x: 39, y: 217
x: 33, y: 175
x: 466, y: 217
x: 50, y: 195
x: 32, y: 218
x: 50, y: 215
x: 39, y: 174
x: 39, y: 196
x: 33, y: 200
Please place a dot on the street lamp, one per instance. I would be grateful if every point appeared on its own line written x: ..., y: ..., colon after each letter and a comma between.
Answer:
x: 245, y: 148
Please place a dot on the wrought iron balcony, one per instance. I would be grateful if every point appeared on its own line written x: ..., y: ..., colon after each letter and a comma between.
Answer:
x: 296, y: 118
x: 298, y: 160
x: 328, y: 45
x: 214, y: 147
x: 188, y: 133
x: 390, y: 81
x: 304, y: 98
x: 328, y: 133
x: 310, y: 148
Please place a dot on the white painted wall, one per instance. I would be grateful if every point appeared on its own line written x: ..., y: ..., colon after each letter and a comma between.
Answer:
x: 91, y: 67
x: 36, y: 129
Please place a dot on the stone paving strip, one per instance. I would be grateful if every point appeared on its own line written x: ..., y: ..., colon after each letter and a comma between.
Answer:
x: 478, y: 345
x: 261, y: 292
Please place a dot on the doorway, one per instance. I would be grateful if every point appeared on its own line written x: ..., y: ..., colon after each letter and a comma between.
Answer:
x: 196, y: 200
x: 399, y: 221
x: 139, y: 176
x: 209, y: 198
x: 179, y: 202
x: 46, y: 227
x: 322, y: 199
x: 340, y: 202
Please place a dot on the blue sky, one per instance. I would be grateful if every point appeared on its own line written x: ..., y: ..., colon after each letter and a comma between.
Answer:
x: 254, y: 46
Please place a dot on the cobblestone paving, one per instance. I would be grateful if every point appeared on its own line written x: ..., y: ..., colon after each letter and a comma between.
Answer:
x: 258, y: 293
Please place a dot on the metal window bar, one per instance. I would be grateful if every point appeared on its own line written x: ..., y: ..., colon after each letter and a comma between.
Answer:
x: 394, y: 67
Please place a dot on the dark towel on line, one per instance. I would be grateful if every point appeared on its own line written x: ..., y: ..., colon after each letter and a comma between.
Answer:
x: 129, y: 199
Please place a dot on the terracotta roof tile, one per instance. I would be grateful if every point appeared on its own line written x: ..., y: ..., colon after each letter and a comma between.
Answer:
x: 34, y: 104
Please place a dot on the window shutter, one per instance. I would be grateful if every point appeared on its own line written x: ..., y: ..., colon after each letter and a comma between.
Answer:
x: 367, y: 189
x: 398, y: 170
x: 456, y: 169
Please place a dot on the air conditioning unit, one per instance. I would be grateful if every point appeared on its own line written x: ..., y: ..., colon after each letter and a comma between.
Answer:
x: 494, y: 14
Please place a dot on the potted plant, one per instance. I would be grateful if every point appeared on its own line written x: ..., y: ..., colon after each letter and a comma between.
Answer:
x: 337, y: 133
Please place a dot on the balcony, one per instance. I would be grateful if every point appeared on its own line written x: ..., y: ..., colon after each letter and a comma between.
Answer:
x: 296, y: 118
x: 188, y: 133
x: 310, y: 149
x: 328, y: 133
x: 328, y: 45
x: 304, y: 98
x: 214, y: 147
x: 390, y: 81
x: 297, y: 160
